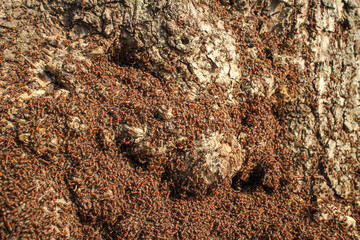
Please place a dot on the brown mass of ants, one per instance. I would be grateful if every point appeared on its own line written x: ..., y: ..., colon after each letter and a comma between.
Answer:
x: 71, y: 169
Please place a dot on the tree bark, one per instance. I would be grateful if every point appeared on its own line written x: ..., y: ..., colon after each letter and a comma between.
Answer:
x: 180, y: 119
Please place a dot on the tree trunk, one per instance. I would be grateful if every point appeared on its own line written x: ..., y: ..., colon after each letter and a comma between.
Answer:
x: 184, y: 119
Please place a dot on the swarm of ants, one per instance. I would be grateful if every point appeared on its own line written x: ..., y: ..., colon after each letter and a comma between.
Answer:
x: 86, y: 160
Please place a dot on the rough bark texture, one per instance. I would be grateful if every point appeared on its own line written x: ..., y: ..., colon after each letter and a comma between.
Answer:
x: 182, y: 119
